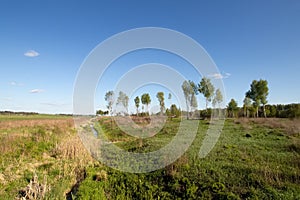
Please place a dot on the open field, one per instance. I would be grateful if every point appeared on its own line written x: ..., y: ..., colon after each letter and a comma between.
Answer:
x: 41, y: 156
x: 253, y: 159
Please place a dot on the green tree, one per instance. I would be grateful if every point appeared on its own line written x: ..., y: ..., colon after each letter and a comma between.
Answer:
x: 170, y: 98
x: 123, y: 100
x: 146, y: 100
x: 246, y: 106
x: 218, y: 98
x: 188, y: 92
x: 110, y: 99
x: 273, y: 111
x: 137, y: 104
x: 232, y: 108
x: 174, y: 111
x: 194, y: 103
x: 258, y: 94
x: 194, y: 86
x: 161, y: 99
x: 101, y: 112
x: 206, y: 88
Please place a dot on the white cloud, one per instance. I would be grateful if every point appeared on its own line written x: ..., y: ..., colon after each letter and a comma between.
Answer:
x: 219, y: 75
x: 14, y: 83
x: 36, y: 91
x: 31, y: 53
x: 54, y: 104
x: 7, y: 99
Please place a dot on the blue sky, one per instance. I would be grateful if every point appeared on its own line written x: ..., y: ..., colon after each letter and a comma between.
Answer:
x: 246, y: 39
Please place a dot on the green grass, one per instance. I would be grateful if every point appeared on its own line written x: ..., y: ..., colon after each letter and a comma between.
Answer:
x: 15, y: 117
x: 249, y: 161
x: 37, y: 148
x: 255, y: 163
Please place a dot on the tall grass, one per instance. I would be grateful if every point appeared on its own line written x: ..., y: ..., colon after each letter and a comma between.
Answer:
x: 40, y: 157
x: 252, y: 160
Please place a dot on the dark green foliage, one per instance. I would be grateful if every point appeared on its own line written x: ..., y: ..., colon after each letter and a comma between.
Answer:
x: 258, y: 94
x: 206, y: 88
x: 206, y: 114
x: 232, y: 108
x: 173, y: 112
x: 101, y: 112
x: 137, y: 104
x: 146, y: 100
x: 288, y: 111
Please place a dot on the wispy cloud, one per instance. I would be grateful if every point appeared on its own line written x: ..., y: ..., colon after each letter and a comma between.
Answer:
x: 7, y: 99
x: 31, y: 53
x: 54, y: 104
x: 37, y: 91
x: 219, y: 75
x: 14, y: 83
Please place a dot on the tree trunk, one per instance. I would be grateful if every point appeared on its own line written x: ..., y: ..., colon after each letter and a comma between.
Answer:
x: 187, y: 109
x: 264, y: 108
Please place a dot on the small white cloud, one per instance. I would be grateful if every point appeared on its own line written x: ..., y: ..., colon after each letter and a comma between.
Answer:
x: 7, y: 99
x: 216, y: 76
x: 219, y: 76
x: 54, y: 104
x: 36, y: 91
x: 31, y: 53
x: 14, y: 83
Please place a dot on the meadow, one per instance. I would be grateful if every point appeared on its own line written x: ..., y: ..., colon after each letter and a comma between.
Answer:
x: 42, y: 157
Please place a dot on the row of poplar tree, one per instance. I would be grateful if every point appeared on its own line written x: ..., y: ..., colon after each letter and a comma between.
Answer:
x: 254, y: 103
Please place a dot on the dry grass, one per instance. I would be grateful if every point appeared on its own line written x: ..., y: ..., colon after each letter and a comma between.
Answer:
x: 68, y: 155
x: 34, y: 190
x: 71, y: 147
x: 12, y: 124
x: 289, y: 126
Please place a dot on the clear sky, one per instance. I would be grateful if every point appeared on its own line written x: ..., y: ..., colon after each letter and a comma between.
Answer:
x: 43, y: 44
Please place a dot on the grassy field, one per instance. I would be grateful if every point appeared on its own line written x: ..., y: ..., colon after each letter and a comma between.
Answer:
x: 41, y: 156
x: 253, y: 159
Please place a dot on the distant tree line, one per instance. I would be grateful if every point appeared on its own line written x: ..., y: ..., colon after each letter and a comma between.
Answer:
x: 17, y: 113
x: 254, y: 103
x: 206, y: 88
x: 101, y: 112
x: 279, y: 111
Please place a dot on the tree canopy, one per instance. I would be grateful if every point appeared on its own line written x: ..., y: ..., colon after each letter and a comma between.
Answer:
x: 146, y: 100
x: 206, y: 88
x: 188, y: 92
x: 258, y: 94
x: 110, y: 99
x: 218, y: 98
x: 232, y: 108
x: 123, y: 100
x: 161, y: 99
x: 137, y: 104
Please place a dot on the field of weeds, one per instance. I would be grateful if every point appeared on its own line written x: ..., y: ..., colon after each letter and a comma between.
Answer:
x: 253, y: 159
x: 42, y: 157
